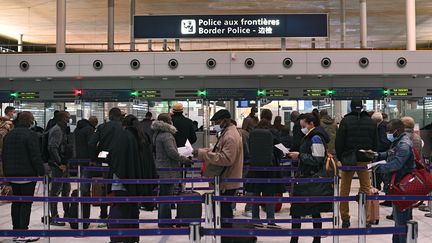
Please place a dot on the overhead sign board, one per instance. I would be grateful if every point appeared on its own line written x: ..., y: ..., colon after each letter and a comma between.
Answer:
x: 213, y: 26
x: 227, y: 94
x: 105, y: 95
x: 358, y: 93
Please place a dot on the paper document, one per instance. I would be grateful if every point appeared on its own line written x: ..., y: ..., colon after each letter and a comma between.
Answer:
x: 186, y: 150
x: 103, y: 154
x: 376, y: 163
x: 282, y: 148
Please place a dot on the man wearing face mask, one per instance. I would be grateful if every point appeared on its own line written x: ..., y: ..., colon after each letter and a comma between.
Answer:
x: 58, y: 162
x: 251, y: 121
x: 357, y: 131
x: 227, y: 153
x: 399, y: 160
x: 10, y: 113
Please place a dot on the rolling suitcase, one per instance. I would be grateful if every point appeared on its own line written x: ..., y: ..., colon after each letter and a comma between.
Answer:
x: 188, y: 210
x: 373, y: 205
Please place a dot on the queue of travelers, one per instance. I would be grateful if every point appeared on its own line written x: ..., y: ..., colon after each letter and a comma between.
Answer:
x: 137, y: 149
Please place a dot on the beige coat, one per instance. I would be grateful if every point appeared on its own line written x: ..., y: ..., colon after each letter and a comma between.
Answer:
x: 229, y: 153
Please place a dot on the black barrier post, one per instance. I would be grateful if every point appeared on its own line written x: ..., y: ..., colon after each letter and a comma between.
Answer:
x: 209, y: 222
x: 80, y: 213
x: 218, y: 220
x: 362, y: 215
x: 412, y: 232
x: 46, y: 218
x: 194, y: 233
x: 336, y: 206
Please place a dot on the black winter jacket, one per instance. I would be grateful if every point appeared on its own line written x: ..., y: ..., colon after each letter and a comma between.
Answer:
x: 83, y: 133
x: 21, y: 154
x: 356, y: 131
x: 185, y: 129
x: 104, y: 139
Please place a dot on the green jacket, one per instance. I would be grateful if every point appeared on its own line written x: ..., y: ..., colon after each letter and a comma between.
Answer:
x: 329, y: 125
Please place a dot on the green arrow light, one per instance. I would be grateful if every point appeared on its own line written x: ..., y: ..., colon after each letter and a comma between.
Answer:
x: 330, y: 92
x: 134, y: 93
x: 386, y: 92
x: 201, y: 92
x: 14, y: 94
x: 261, y: 92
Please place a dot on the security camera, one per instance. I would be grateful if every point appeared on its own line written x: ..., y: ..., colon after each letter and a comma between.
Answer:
x: 60, y: 65
x: 401, y: 62
x: 249, y: 63
x: 97, y: 65
x: 364, y: 62
x: 287, y: 62
x: 414, y: 76
x: 326, y: 62
x: 319, y: 76
x: 24, y: 66
x: 173, y: 63
x: 135, y: 64
x: 211, y: 63
x: 181, y: 77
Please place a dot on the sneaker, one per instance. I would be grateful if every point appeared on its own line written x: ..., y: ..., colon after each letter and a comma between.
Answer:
x: 102, y: 225
x: 258, y: 225
x: 58, y: 223
x: 389, y: 217
x: 346, y: 224
x: 386, y: 204
x: 273, y: 226
x: 247, y: 213
x: 26, y: 239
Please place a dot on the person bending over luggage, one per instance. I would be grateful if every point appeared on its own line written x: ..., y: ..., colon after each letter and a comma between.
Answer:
x: 400, y: 160
x: 311, y: 159
x: 22, y: 158
x: 166, y: 156
x: 131, y: 158
x: 225, y: 159
x: 263, y: 153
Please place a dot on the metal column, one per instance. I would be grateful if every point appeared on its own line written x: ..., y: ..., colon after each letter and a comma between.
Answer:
x: 336, y: 208
x: 61, y: 26
x: 363, y: 24
x: 132, y: 24
x: 110, y: 25
x: 362, y: 215
x: 411, y: 25
x: 20, y: 43
x: 412, y: 233
x: 343, y: 22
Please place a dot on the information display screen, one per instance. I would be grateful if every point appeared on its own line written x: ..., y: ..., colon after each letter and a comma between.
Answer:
x: 401, y: 92
x: 314, y: 92
x: 105, y: 95
x: 227, y: 94
x: 359, y: 93
x: 277, y: 93
x: 28, y: 95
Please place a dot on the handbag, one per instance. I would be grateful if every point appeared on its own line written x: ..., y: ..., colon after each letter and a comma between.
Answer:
x: 328, y: 169
x: 416, y: 183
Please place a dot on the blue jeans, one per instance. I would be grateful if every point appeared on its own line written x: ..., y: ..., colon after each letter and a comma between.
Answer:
x: 270, y: 208
x: 401, y: 219
x: 164, y: 210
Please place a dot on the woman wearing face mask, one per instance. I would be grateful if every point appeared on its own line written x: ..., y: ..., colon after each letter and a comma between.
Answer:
x: 166, y: 156
x: 311, y: 159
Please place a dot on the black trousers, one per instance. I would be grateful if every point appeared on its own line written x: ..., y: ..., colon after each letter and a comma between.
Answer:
x: 226, y: 208
x: 124, y: 211
x: 21, y: 210
x: 317, y: 239
x: 58, y: 188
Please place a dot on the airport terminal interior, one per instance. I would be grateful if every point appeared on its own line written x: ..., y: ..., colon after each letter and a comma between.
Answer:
x: 202, y: 58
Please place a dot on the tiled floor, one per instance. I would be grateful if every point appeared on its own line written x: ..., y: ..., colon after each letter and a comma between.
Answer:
x: 425, y: 226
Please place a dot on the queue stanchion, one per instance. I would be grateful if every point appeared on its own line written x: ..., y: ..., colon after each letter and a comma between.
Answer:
x: 194, y: 233
x: 362, y: 215
x: 46, y: 218
x: 80, y: 213
x: 209, y: 222
x: 336, y: 207
x: 218, y: 220
x: 429, y: 205
x: 412, y: 233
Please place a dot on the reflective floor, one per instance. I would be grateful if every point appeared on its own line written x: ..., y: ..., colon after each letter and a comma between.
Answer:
x: 425, y: 225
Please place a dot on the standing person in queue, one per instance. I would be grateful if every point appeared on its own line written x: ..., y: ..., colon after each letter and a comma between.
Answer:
x: 283, y: 132
x: 330, y: 127
x: 228, y: 155
x: 146, y: 123
x: 22, y: 158
x: 166, y: 156
x: 104, y: 139
x: 52, y: 122
x: 356, y: 131
x: 6, y: 126
x: 131, y: 158
x: 58, y: 162
x: 297, y: 133
x: 251, y: 121
x: 400, y: 160
x: 185, y: 127
x: 10, y: 113
x: 311, y: 159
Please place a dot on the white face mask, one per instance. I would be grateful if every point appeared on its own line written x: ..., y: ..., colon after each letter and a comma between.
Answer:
x: 305, y: 130
x: 217, y: 128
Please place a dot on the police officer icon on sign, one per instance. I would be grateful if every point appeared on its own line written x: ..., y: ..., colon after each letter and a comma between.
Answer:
x: 188, y: 26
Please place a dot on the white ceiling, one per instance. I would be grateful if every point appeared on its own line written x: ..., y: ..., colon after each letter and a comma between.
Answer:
x: 87, y: 20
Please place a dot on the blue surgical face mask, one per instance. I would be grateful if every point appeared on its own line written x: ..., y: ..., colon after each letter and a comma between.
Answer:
x: 305, y: 130
x: 391, y: 137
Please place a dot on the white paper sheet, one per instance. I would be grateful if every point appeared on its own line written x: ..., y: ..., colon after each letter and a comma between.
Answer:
x: 103, y: 154
x: 186, y: 150
x: 376, y: 163
x: 282, y: 148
